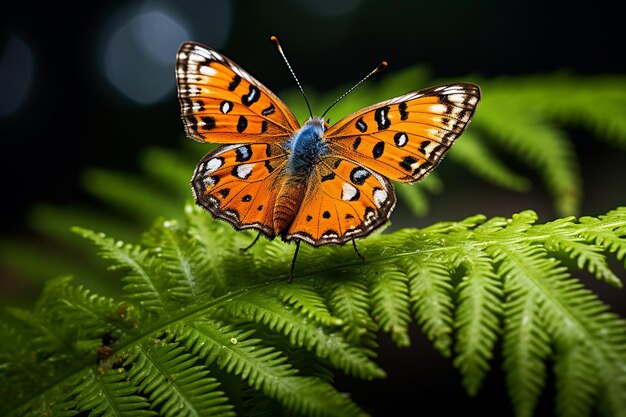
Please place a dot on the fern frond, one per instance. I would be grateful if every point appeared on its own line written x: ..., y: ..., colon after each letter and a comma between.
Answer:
x: 169, y: 377
x: 326, y: 343
x: 564, y: 300
x: 348, y: 299
x: 390, y: 302
x: 264, y: 369
x: 431, y: 298
x: 577, y: 387
x: 182, y: 259
x: 305, y: 298
x: 142, y: 283
x: 466, y: 283
x: 588, y: 258
x: 477, y: 317
x: 110, y: 394
x: 526, y: 349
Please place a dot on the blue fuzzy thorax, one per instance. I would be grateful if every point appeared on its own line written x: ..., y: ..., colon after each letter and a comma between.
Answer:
x: 306, y: 147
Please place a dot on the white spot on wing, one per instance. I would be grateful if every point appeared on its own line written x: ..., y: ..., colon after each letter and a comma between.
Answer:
x: 207, y: 70
x: 401, y: 140
x: 226, y: 107
x: 438, y: 108
x: 212, y: 165
x: 457, y: 98
x: 243, y: 171
x: 348, y: 191
x: 380, y: 197
x: 208, y: 181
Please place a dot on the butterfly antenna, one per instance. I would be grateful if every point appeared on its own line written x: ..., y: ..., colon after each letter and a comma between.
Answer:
x: 280, y: 50
x: 379, y: 68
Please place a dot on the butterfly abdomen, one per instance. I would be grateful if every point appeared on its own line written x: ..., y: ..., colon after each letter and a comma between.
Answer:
x: 288, y: 203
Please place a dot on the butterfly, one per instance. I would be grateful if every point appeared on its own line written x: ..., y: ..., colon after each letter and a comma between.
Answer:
x: 316, y: 183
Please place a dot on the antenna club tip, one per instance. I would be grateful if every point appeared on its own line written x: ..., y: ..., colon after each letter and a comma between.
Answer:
x: 274, y: 39
x: 382, y: 65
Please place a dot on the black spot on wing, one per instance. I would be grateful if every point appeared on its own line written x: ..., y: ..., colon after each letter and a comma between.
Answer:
x: 224, y: 192
x: 356, y: 143
x: 191, y: 123
x: 268, y: 111
x: 403, y: 113
x: 407, y: 162
x: 209, y: 122
x: 378, y: 149
x: 358, y: 175
x: 423, y: 146
x: 246, y: 198
x: 264, y: 126
x: 381, y: 116
x: 422, y: 168
x: 242, y: 124
x: 361, y: 125
x: 252, y: 97
x: 328, y: 177
x: 326, y: 215
x: 234, y: 83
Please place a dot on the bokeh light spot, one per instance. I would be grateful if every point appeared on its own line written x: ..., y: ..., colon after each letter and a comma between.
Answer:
x: 16, y: 75
x: 139, y: 57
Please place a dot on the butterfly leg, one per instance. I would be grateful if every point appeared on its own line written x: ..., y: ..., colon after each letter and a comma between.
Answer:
x: 357, y: 251
x: 250, y: 245
x: 293, y: 262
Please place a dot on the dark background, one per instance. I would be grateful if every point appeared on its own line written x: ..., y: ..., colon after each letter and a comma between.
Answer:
x: 72, y: 116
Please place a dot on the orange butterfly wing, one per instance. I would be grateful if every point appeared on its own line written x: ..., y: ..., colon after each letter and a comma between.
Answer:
x: 343, y: 201
x: 240, y: 183
x: 222, y: 103
x: 406, y: 137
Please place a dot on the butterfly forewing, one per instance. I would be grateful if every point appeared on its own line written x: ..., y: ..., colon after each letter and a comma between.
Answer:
x: 406, y: 137
x: 222, y: 103
x: 343, y: 201
x: 240, y: 183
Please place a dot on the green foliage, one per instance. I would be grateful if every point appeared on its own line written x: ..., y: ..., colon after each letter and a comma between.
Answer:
x: 201, y: 329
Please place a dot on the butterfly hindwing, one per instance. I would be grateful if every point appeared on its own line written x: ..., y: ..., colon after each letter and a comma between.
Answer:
x: 406, y: 137
x: 222, y: 103
x: 343, y: 201
x: 240, y: 183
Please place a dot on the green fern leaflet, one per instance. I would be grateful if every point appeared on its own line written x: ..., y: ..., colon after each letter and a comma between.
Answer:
x: 204, y: 330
